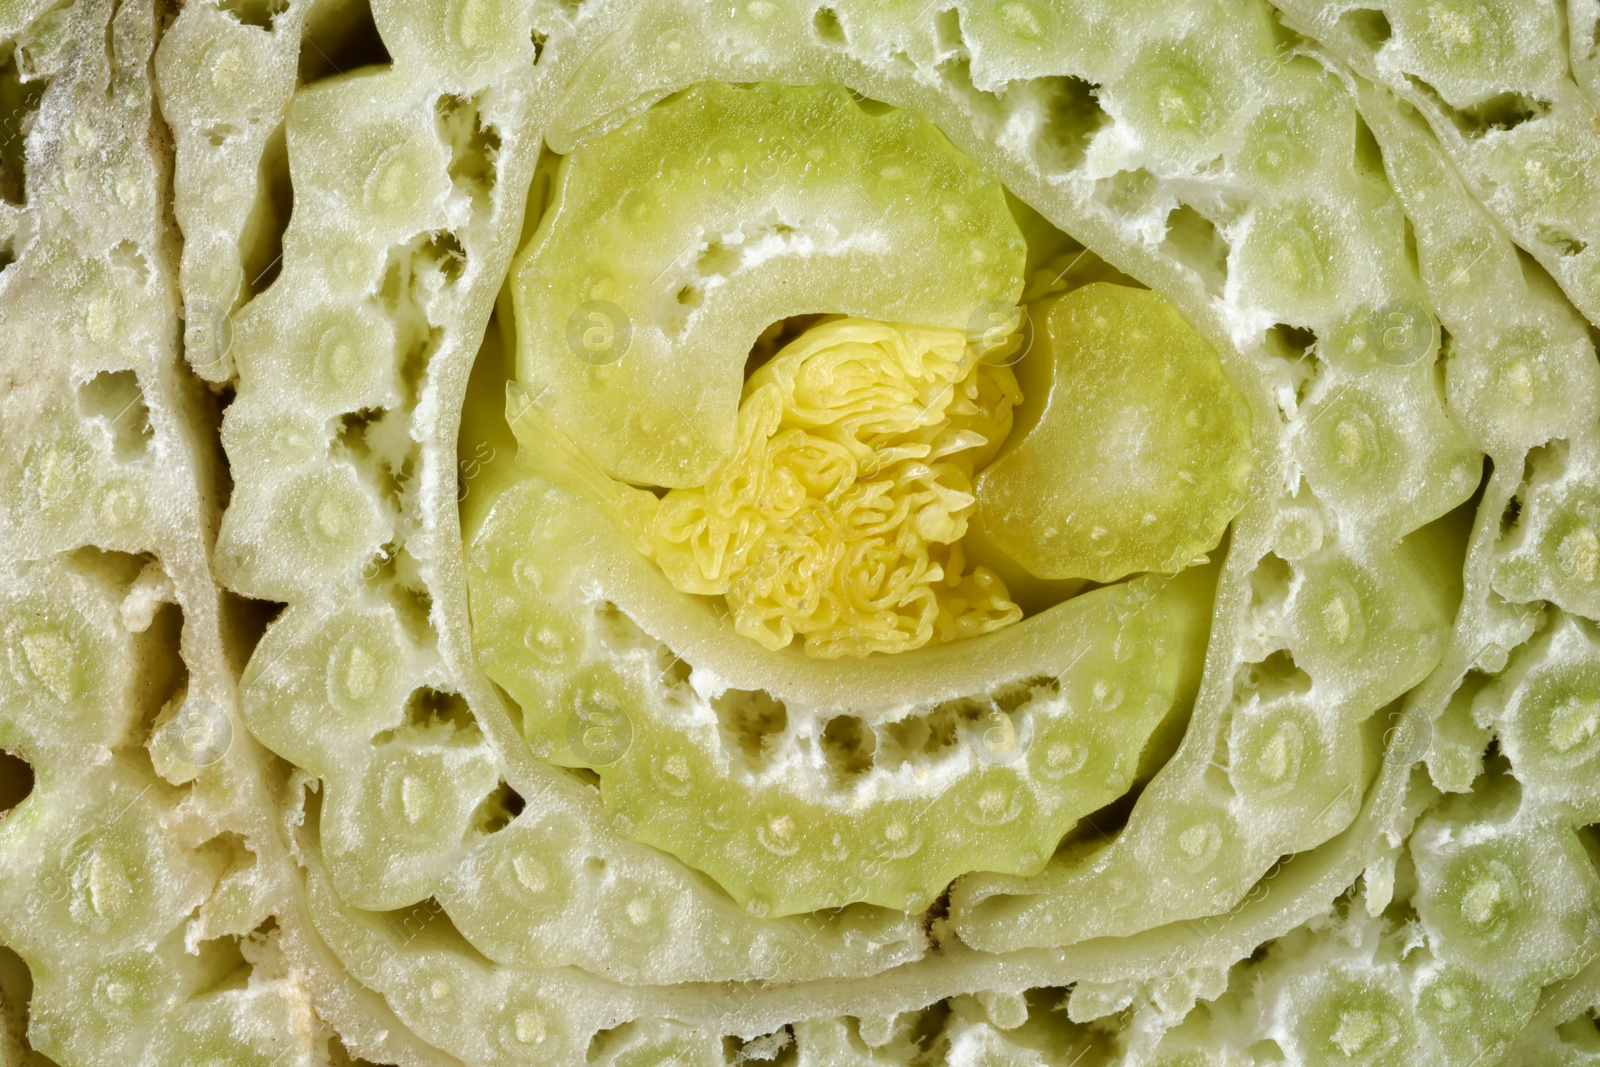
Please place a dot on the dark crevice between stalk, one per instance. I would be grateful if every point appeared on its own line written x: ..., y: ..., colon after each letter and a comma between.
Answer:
x: 338, y: 39
x: 19, y: 103
x: 261, y: 240
x: 16, y: 991
x: 16, y: 782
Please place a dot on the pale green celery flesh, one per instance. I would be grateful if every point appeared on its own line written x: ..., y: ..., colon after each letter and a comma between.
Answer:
x: 1139, y: 452
x: 714, y: 215
x: 1101, y: 672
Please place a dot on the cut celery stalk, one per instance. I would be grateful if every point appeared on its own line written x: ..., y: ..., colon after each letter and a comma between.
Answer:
x: 352, y: 741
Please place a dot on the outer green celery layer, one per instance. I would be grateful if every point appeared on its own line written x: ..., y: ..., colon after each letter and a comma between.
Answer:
x: 1102, y: 671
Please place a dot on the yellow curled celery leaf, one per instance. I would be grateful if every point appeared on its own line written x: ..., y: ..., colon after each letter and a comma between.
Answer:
x: 674, y: 241
x: 799, y: 783
x: 1140, y: 452
x: 839, y: 515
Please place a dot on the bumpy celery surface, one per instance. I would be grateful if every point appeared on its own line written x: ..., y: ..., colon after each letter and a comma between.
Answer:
x: 1028, y: 532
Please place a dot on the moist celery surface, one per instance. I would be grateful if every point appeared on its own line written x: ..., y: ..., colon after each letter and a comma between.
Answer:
x: 972, y: 533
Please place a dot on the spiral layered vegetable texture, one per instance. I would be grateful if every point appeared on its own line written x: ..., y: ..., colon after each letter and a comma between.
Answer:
x: 1016, y: 532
